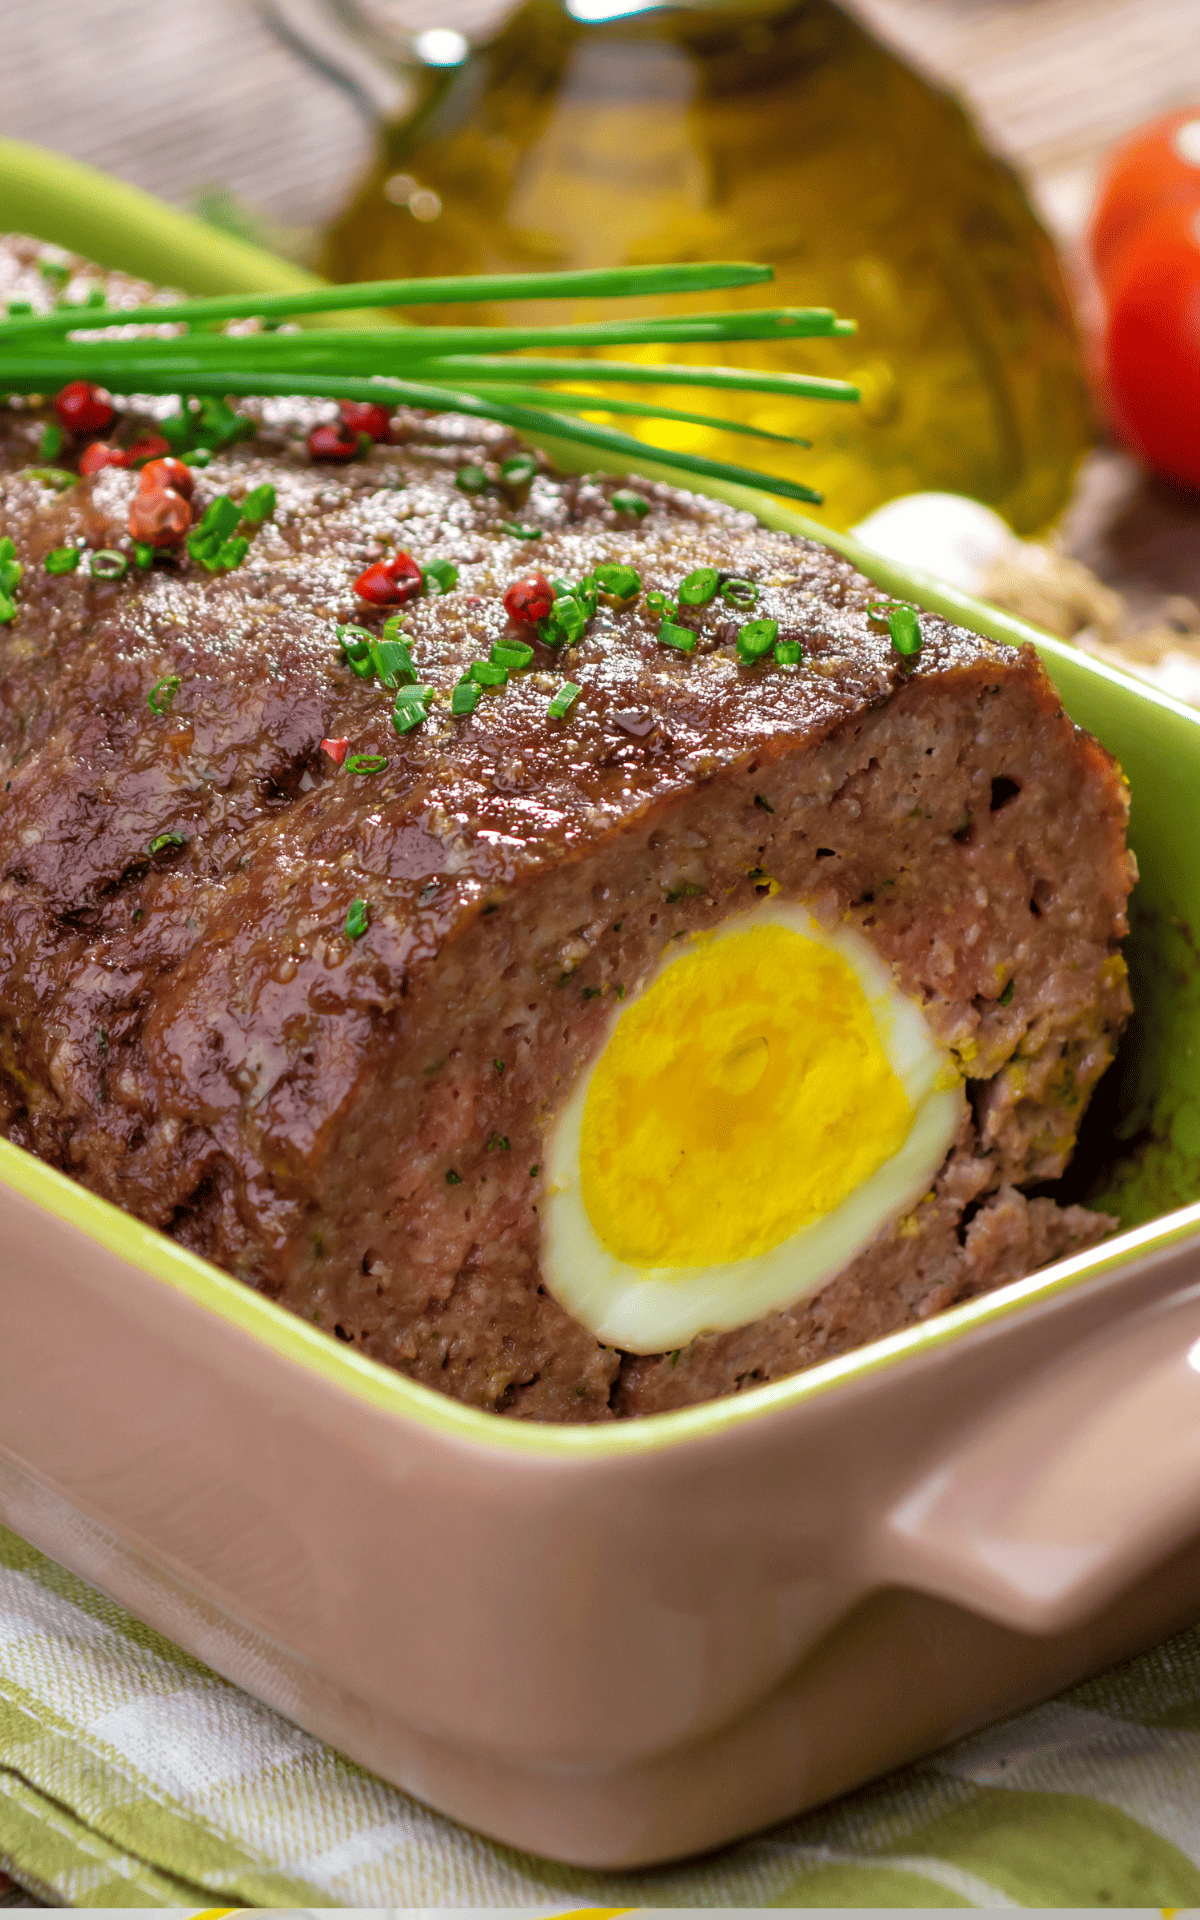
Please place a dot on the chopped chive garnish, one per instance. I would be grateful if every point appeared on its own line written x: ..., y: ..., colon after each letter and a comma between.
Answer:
x: 498, y: 1141
x: 56, y: 477
x: 8, y: 612
x: 471, y: 480
x: 231, y: 553
x: 408, y: 696
x: 518, y: 471
x: 657, y: 602
x: 453, y: 1179
x: 162, y: 840
x: 410, y: 708
x: 626, y: 501
x: 259, y: 503
x: 499, y: 1066
x: 62, y: 559
x: 465, y: 697
x: 54, y: 275
x: 358, y: 919
x: 905, y: 630
x: 221, y: 516
x: 366, y: 762
x: 565, y: 622
x: 670, y: 635
x: 620, y: 584
x: 518, y: 532
x: 591, y: 993
x: 51, y: 442
x: 760, y: 800
x: 392, y: 662
x: 564, y: 700
x: 755, y: 639
x: 108, y: 564
x: 20, y: 306
x: 788, y: 653
x: 443, y: 574
x: 534, y: 1171
x: 356, y: 644
x: 586, y: 595
x: 10, y: 567
x: 486, y: 674
x: 1006, y: 996
x: 143, y: 554
x: 742, y: 594
x: 512, y: 654
x: 394, y: 625
x: 686, y: 890
x: 698, y: 587
x: 162, y: 693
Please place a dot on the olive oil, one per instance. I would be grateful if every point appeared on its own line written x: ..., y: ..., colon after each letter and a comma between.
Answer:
x: 783, y: 133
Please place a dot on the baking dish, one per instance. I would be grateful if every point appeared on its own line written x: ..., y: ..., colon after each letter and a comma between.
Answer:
x: 616, y: 1645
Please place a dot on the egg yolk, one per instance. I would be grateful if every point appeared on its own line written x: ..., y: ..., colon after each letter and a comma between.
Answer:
x: 746, y: 1094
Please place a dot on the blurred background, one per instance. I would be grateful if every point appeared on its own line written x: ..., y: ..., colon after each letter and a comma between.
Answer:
x: 369, y: 137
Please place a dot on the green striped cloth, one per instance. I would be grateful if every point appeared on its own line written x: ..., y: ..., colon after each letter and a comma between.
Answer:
x: 132, y: 1776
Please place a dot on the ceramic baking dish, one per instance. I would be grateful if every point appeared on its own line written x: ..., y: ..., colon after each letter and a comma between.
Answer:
x: 613, y: 1645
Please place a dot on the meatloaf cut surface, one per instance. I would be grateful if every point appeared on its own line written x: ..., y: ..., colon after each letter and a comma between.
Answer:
x: 356, y: 1122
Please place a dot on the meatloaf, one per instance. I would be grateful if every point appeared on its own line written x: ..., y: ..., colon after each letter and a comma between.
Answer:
x: 316, y: 1024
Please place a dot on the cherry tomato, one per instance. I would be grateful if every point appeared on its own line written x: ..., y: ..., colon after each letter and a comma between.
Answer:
x: 332, y: 441
x: 528, y: 601
x: 1152, y: 344
x: 1156, y: 169
x: 99, y: 455
x: 83, y: 407
x: 363, y: 416
x: 157, y: 474
x: 160, y: 518
x: 149, y: 447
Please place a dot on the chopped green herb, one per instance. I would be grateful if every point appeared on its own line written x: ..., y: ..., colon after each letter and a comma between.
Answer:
x: 657, y: 602
x: 675, y: 1358
x: 394, y: 626
x: 358, y: 919
x: 625, y: 501
x: 222, y: 516
x: 259, y: 503
x: 56, y: 477
x: 591, y: 993
x: 162, y: 693
x: 162, y: 840
x: 499, y: 1066
x: 518, y: 471
x: 742, y: 594
x: 760, y: 800
x: 534, y: 1171
x: 366, y: 762
x: 697, y: 588
x: 587, y: 596
x: 392, y: 662
x: 195, y: 456
x: 143, y: 554
x: 442, y: 574
x: 62, y: 559
x: 755, y: 639
x: 620, y: 992
x: 356, y: 645
x: 8, y: 612
x: 905, y: 630
x: 518, y: 532
x: 410, y: 708
x: 231, y: 553
x: 10, y: 567
x: 54, y: 275
x: 453, y: 1179
x: 465, y: 697
x: 471, y: 480
x: 1006, y: 996
x: 20, y: 306
x: 619, y: 585
x: 788, y: 653
x: 108, y: 564
x: 512, y: 654
x: 684, y: 891
x: 485, y: 674
x: 670, y: 635
x: 51, y: 442
x: 564, y: 700
x: 565, y: 622
x: 498, y: 1141
x: 96, y: 297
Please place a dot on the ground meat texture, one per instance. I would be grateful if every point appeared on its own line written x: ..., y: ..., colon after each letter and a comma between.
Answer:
x: 356, y: 1126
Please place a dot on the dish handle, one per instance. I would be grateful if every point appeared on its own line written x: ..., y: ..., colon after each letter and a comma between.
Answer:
x: 1082, y: 1481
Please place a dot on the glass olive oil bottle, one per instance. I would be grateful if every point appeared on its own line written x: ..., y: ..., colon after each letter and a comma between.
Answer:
x: 609, y: 132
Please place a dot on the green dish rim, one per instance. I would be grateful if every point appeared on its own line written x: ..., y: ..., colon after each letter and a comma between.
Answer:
x: 128, y: 227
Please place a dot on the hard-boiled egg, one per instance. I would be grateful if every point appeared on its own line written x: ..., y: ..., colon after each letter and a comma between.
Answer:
x: 758, y: 1112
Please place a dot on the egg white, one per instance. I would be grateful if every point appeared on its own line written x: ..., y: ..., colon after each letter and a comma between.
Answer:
x: 656, y: 1309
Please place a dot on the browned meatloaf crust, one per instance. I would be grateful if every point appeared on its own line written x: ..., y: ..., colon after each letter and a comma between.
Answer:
x: 190, y: 1032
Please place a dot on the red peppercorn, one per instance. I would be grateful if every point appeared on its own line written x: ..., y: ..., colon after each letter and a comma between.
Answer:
x: 530, y: 600
x: 389, y: 583
x: 159, y: 518
x: 332, y: 441
x: 99, y: 455
x: 149, y: 447
x: 83, y: 407
x: 364, y: 416
x: 336, y: 749
x: 158, y: 474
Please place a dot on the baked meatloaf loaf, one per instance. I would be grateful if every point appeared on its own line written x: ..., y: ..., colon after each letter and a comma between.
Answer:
x: 405, y: 1005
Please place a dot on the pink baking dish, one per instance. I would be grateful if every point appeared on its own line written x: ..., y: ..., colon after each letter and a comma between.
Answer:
x: 615, y: 1645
